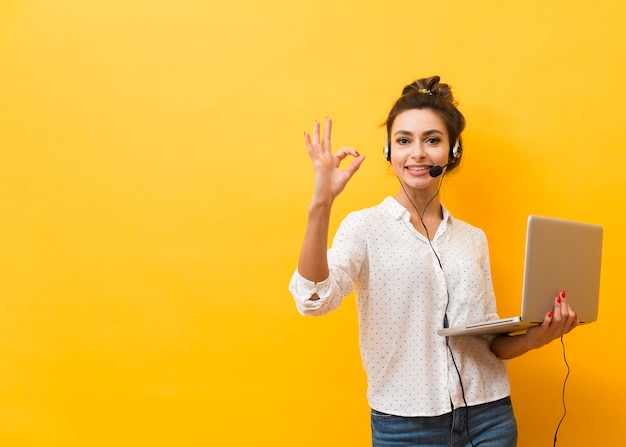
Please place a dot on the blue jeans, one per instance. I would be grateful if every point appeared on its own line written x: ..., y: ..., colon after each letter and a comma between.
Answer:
x: 487, y: 425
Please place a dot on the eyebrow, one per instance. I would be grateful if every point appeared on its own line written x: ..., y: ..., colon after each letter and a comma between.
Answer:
x: 426, y: 133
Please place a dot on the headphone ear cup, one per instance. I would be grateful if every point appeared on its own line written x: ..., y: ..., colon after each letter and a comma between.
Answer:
x: 455, y: 153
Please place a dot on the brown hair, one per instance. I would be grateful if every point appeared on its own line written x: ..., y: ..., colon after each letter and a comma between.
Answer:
x: 429, y: 93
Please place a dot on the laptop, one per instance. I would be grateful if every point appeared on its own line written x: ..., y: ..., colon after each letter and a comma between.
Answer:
x: 560, y: 255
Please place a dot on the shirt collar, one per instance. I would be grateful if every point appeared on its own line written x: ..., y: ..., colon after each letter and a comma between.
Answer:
x: 397, y: 211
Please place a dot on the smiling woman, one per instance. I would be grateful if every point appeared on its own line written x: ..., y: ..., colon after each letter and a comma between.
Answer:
x: 414, y: 269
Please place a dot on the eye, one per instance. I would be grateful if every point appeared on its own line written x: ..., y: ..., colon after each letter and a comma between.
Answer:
x: 403, y: 141
x: 433, y: 141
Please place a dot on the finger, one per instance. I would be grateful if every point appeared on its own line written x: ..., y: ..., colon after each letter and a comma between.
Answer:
x: 345, y: 151
x: 560, y: 307
x: 327, y: 132
x: 567, y: 317
x: 571, y: 319
x: 312, y: 139
x: 316, y: 132
x: 310, y: 147
x: 567, y: 313
x: 547, y: 319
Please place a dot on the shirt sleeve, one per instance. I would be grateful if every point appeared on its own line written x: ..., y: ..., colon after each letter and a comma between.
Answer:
x: 490, y: 304
x: 302, y: 290
x: 345, y: 259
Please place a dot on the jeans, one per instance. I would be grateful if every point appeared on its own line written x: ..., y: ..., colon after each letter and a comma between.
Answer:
x: 487, y: 425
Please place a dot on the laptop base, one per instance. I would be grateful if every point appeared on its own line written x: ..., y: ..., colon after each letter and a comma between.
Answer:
x: 505, y: 326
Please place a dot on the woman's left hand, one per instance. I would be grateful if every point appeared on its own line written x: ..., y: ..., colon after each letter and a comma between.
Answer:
x: 558, y: 322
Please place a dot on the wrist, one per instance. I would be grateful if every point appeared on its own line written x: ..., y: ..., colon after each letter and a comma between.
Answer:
x: 531, y: 342
x: 320, y: 207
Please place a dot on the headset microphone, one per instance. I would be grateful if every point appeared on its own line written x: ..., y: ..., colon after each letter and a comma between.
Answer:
x: 455, y: 153
x: 436, y: 171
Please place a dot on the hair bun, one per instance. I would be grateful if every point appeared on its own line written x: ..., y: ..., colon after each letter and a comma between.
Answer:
x: 430, y: 86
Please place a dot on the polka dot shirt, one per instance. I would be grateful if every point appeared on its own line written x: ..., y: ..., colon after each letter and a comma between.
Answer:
x: 402, y: 296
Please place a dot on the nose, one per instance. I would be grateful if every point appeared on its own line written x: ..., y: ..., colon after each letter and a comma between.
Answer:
x: 417, y: 151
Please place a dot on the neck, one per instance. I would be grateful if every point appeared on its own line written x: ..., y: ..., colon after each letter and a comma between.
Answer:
x: 425, y: 204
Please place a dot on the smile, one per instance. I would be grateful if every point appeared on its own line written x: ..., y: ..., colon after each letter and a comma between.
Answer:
x: 417, y: 169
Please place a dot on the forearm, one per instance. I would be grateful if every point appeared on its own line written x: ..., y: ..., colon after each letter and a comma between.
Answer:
x: 510, y: 346
x: 313, y: 261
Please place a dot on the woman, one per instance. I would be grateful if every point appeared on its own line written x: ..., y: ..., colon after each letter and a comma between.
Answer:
x: 414, y: 269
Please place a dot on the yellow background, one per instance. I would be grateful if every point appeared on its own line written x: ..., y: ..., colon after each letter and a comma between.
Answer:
x: 153, y: 193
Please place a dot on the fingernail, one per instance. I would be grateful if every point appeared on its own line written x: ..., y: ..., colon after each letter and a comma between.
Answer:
x: 357, y: 154
x: 563, y: 294
x: 558, y: 299
x: 550, y: 314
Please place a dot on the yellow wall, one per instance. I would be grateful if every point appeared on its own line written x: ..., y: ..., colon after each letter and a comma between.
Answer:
x: 153, y: 189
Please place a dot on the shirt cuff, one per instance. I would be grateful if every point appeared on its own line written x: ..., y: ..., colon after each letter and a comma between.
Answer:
x: 302, y: 290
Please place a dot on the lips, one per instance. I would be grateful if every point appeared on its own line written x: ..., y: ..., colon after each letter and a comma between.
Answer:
x: 418, y: 169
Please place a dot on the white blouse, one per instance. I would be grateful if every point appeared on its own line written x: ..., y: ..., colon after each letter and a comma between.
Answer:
x: 402, y: 295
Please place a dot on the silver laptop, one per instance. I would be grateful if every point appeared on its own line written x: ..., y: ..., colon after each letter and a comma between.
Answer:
x: 560, y: 255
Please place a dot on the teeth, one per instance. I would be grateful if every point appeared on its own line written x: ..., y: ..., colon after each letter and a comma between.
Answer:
x: 416, y: 169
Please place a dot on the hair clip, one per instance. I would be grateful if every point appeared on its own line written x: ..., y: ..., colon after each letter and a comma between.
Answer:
x: 424, y: 91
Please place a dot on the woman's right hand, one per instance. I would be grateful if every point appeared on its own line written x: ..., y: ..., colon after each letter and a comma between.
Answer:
x: 330, y: 180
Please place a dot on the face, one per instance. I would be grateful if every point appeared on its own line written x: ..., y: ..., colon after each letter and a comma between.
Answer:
x: 419, y: 141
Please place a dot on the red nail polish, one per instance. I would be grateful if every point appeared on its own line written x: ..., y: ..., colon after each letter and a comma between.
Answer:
x: 550, y: 314
x: 357, y: 154
x: 558, y: 299
x: 563, y: 294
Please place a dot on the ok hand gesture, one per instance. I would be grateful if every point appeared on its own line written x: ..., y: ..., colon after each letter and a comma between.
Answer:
x: 330, y: 180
